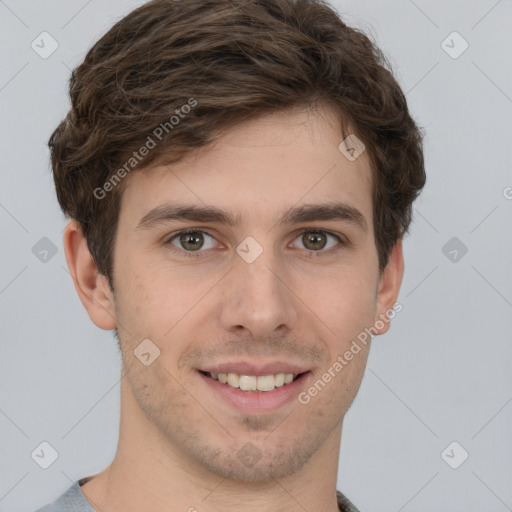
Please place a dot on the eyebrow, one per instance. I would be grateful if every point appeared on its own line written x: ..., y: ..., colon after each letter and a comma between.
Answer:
x: 305, y: 213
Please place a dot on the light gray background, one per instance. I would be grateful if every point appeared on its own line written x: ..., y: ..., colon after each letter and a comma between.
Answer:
x: 443, y: 372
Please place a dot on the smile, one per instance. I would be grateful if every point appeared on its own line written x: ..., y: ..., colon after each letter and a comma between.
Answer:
x: 266, y: 392
x: 260, y: 383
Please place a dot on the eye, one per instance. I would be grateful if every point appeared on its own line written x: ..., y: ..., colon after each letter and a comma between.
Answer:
x: 191, y: 240
x: 316, y: 240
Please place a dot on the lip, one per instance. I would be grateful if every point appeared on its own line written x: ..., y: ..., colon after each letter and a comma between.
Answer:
x: 253, y: 402
x: 257, y: 370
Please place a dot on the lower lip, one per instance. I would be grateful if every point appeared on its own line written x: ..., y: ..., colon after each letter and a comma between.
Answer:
x: 253, y: 402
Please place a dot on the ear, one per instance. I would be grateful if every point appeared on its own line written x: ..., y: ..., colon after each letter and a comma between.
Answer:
x: 389, y: 287
x: 92, y: 287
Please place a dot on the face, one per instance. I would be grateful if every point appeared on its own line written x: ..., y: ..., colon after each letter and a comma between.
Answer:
x: 278, y: 274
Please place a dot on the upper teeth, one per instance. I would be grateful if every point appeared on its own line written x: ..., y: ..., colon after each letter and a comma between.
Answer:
x: 252, y: 382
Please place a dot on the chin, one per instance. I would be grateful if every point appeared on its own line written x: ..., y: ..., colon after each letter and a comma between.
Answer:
x: 254, y: 462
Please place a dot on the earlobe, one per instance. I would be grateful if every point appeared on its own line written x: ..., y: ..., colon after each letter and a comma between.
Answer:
x: 91, y: 286
x: 389, y: 287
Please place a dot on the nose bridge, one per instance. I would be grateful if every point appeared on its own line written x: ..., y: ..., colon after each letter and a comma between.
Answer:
x: 258, y: 299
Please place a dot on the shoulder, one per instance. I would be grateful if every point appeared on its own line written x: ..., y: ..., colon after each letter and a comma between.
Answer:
x: 344, y: 504
x: 71, y: 501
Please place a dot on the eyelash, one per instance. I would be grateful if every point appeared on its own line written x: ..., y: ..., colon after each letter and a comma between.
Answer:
x: 311, y: 253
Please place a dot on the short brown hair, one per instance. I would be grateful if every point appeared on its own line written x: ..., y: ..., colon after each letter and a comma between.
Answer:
x: 236, y: 59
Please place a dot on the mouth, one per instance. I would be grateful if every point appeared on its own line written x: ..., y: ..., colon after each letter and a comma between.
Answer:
x: 255, y: 390
x: 254, y: 383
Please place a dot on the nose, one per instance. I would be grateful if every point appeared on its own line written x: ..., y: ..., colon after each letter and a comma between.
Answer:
x: 259, y: 298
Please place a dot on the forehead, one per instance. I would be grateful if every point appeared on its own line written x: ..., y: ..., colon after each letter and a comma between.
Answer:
x: 259, y: 169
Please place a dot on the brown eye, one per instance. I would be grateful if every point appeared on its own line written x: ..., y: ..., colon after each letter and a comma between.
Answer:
x: 318, y: 240
x: 314, y: 240
x: 192, y: 240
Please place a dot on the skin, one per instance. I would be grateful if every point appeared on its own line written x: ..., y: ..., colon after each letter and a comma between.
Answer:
x: 178, y: 441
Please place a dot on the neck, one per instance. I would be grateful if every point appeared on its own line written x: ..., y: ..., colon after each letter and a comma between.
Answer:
x: 149, y: 473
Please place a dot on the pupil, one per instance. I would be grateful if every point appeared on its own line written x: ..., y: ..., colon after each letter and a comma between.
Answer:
x: 188, y: 240
x: 315, y: 237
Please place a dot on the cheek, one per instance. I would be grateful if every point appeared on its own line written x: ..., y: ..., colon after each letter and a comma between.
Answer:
x: 157, y: 303
x: 139, y: 301
x: 345, y: 301
x: 145, y: 286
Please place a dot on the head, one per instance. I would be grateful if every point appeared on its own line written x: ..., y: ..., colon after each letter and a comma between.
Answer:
x: 241, y: 107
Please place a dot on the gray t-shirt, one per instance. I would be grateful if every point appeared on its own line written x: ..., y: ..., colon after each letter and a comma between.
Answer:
x: 73, y: 500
